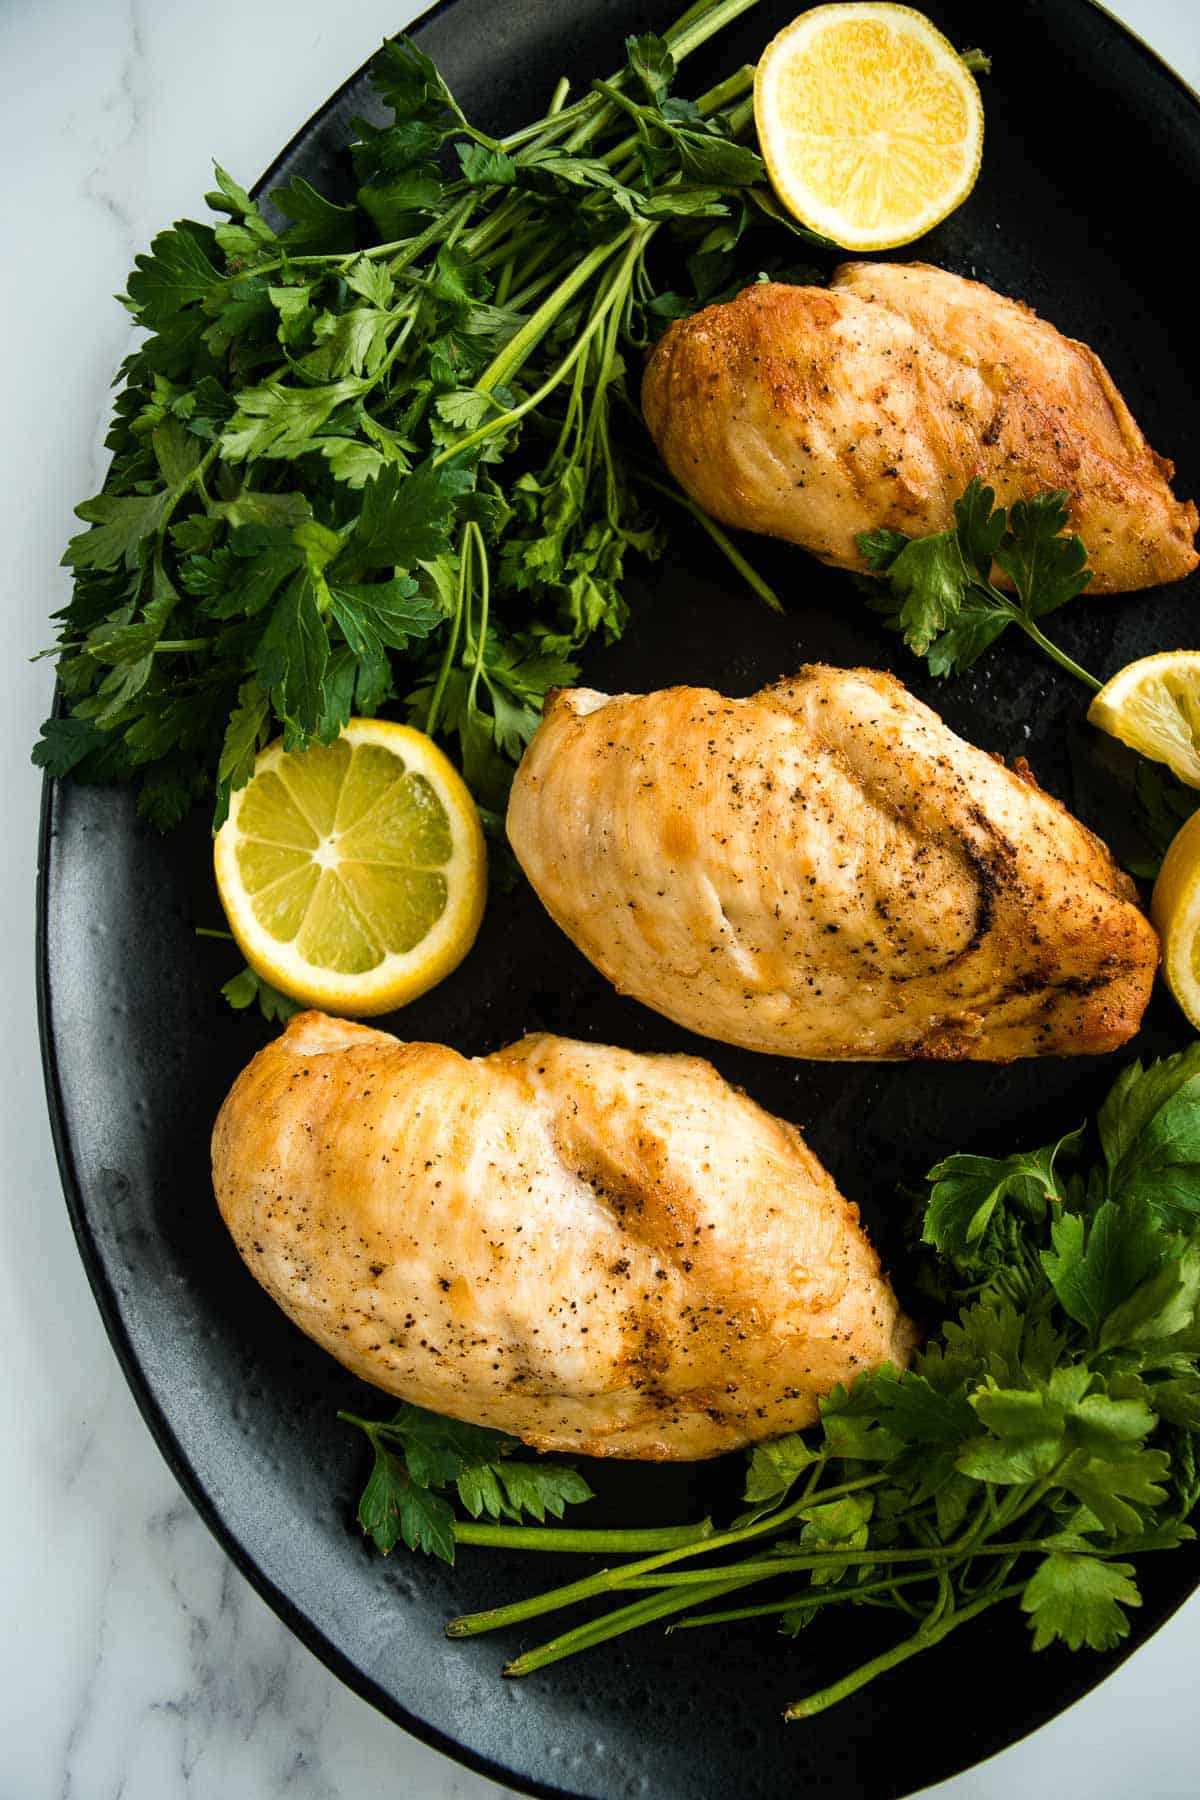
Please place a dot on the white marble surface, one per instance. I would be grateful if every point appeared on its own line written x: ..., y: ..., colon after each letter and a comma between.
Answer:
x: 135, y: 1663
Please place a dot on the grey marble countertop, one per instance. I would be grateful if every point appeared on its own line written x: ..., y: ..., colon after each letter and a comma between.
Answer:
x: 136, y: 1662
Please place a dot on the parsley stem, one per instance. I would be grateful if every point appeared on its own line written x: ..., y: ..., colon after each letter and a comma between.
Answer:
x: 481, y: 560
x: 552, y: 125
x: 597, y: 427
x: 447, y: 663
x: 582, y: 1543
x: 700, y: 22
x: 732, y: 88
x: 712, y: 101
x: 614, y: 1624
x: 922, y: 1639
x: 690, y: 30
x: 535, y: 327
x: 1040, y: 1547
x: 623, y: 103
x: 721, y: 539
x: 503, y: 420
x: 487, y: 235
x: 472, y: 1624
x: 517, y: 302
x: 439, y: 227
x: 685, y: 1589
x: 833, y: 1558
x: 510, y: 210
x: 1052, y: 650
x: 806, y: 1597
x: 740, y: 116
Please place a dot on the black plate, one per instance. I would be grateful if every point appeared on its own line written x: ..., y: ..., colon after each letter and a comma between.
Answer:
x: 1091, y: 172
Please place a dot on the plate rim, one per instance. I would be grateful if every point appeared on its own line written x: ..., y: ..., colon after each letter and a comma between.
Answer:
x: 151, y: 1408
x: 100, y: 1280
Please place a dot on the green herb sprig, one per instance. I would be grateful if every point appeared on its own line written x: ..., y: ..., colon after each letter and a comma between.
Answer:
x: 1044, y: 1439
x: 938, y: 591
x: 370, y: 454
x: 420, y: 1455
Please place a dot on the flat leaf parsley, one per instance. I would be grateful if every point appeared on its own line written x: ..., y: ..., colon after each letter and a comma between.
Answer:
x: 938, y: 591
x: 368, y: 453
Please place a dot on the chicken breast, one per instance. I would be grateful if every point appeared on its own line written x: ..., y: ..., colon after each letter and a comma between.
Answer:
x: 815, y: 413
x: 594, y: 1250
x: 826, y: 870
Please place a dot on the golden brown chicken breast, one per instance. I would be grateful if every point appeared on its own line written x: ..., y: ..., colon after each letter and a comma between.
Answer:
x: 594, y: 1250
x: 826, y: 870
x: 815, y: 413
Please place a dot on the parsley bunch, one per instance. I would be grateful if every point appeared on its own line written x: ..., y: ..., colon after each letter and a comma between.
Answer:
x: 369, y: 452
x: 1044, y: 1439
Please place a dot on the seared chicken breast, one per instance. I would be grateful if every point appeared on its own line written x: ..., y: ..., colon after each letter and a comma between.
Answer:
x: 826, y: 870
x: 594, y: 1250
x: 815, y: 413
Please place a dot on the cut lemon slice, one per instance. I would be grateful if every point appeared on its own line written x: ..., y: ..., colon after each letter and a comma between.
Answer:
x: 1153, y: 705
x: 353, y: 876
x: 869, y: 122
x: 1175, y: 914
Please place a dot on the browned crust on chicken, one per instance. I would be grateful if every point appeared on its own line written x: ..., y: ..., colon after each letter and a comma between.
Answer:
x: 814, y: 414
x: 825, y: 870
x: 591, y: 1249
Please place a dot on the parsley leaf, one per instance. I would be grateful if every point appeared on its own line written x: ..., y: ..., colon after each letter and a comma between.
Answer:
x: 65, y: 743
x: 1150, y: 1131
x: 395, y: 1507
x: 291, y: 659
x: 1094, y: 1265
x: 1078, y: 1600
x: 247, y: 989
x: 418, y: 1453
x: 773, y: 1470
x: 1046, y: 568
x: 929, y: 579
x: 176, y: 273
x: 968, y: 1189
x: 316, y: 223
x: 405, y: 519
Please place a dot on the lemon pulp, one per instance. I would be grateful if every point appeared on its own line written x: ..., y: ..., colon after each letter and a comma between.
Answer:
x: 1153, y: 705
x: 869, y: 122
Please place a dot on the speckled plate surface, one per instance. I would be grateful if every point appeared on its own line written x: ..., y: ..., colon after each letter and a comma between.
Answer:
x: 1084, y: 187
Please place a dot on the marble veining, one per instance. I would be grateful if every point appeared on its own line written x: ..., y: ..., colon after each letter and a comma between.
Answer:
x: 135, y: 1661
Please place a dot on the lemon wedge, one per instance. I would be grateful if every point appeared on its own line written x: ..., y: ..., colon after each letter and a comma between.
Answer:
x: 353, y: 876
x: 869, y: 122
x: 1153, y: 705
x: 1175, y: 915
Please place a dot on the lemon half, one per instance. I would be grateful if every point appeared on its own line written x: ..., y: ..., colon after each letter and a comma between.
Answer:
x: 353, y: 876
x: 1153, y: 705
x: 869, y: 122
